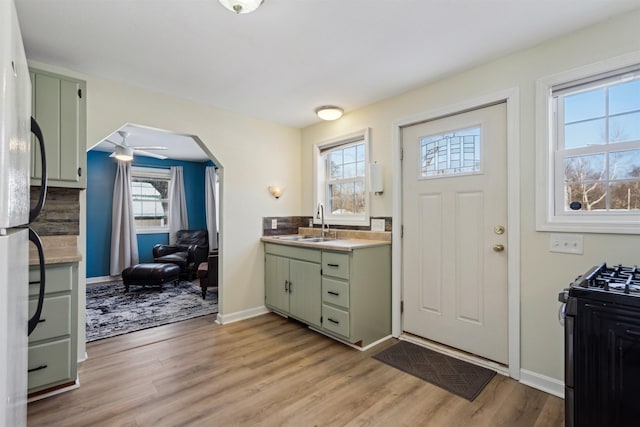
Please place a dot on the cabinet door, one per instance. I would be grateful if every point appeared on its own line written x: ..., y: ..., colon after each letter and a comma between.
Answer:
x: 305, y: 291
x: 60, y: 109
x: 277, y: 282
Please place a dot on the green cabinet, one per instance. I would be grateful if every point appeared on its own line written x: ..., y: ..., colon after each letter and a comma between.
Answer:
x: 53, y: 344
x: 345, y: 294
x: 292, y: 283
x: 356, y: 294
x: 59, y: 106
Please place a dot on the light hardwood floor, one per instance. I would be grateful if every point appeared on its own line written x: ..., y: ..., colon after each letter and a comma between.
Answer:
x: 269, y: 371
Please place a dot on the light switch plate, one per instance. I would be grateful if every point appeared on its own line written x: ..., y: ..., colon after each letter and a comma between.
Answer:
x: 274, y: 224
x: 567, y: 243
x: 377, y: 224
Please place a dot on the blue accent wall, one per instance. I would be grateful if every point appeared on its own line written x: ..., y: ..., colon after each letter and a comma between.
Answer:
x: 101, y: 172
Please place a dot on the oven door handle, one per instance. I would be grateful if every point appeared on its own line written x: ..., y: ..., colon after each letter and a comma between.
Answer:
x: 633, y: 333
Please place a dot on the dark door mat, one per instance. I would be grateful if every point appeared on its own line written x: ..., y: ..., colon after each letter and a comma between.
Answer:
x: 459, y: 377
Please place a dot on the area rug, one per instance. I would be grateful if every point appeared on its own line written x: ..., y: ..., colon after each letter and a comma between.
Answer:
x: 457, y: 376
x: 111, y: 311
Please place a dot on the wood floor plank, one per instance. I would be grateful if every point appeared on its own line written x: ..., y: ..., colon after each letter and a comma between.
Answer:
x: 269, y: 371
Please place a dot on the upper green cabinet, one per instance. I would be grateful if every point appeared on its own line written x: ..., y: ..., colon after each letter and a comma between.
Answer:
x: 60, y: 107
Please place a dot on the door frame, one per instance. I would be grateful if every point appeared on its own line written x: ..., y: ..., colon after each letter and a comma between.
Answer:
x: 511, y: 97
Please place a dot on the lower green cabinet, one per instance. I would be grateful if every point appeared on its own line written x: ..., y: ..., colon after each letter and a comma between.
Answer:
x: 292, y: 286
x: 53, y: 344
x: 345, y: 294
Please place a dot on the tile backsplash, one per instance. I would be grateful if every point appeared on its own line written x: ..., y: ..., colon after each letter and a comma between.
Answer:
x: 61, y: 213
x: 290, y: 225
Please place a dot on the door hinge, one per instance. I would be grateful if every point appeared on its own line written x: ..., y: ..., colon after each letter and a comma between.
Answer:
x: 401, y: 231
x: 401, y: 153
x: 401, y: 306
x: 79, y: 93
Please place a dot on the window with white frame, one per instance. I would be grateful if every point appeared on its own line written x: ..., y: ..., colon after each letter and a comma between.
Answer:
x: 594, y: 152
x: 150, y: 196
x: 341, y: 179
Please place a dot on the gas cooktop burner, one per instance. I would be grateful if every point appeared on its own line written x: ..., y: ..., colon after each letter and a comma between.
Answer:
x: 616, y: 279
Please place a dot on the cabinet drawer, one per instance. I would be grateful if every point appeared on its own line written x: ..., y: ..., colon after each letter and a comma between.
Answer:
x: 55, y: 320
x: 335, y: 320
x: 335, y: 264
x: 49, y: 363
x: 335, y: 292
x: 58, y: 278
x: 311, y: 255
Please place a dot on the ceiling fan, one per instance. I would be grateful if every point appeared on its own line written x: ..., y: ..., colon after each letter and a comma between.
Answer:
x: 125, y: 152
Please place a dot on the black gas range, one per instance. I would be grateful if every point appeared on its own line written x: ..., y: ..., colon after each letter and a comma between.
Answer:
x: 602, y: 347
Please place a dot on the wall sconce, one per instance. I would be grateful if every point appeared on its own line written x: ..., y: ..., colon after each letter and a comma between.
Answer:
x: 329, y: 112
x: 375, y: 178
x: 275, y: 191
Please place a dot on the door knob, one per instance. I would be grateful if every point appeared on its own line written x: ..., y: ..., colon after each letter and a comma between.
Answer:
x: 498, y: 247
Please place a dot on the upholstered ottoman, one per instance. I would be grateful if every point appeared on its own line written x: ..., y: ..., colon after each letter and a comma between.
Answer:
x: 151, y: 274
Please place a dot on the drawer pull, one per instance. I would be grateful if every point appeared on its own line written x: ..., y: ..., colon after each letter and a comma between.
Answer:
x: 334, y: 265
x: 334, y: 293
x: 39, y: 368
x: 335, y: 322
x: 42, y: 320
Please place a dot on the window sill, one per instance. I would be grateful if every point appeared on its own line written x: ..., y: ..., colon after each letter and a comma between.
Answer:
x: 152, y: 230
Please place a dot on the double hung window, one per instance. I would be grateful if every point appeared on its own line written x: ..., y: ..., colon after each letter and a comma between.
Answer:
x: 341, y: 179
x: 594, y: 152
x: 150, y: 196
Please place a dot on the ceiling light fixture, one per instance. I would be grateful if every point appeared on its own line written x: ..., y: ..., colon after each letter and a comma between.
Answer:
x: 241, y: 6
x: 124, y: 154
x: 329, y: 112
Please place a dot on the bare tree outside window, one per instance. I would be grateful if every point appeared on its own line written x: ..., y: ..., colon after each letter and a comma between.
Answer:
x: 599, y: 147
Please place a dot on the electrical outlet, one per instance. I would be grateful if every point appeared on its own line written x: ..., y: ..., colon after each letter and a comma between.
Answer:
x: 310, y: 223
x: 377, y: 224
x: 274, y: 224
x: 567, y: 243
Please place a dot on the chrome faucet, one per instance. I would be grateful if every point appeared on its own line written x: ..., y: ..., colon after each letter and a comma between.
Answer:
x: 320, y: 216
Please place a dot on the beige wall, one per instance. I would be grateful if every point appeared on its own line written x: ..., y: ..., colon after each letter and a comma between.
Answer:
x: 543, y: 274
x: 253, y: 154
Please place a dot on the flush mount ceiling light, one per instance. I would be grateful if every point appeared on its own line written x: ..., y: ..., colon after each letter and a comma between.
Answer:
x: 329, y: 112
x: 241, y: 6
x: 124, y: 153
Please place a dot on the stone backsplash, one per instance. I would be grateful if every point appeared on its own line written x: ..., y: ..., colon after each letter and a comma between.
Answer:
x: 290, y: 225
x: 61, y: 213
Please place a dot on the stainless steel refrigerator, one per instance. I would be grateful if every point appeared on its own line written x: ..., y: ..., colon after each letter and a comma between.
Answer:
x: 16, y: 213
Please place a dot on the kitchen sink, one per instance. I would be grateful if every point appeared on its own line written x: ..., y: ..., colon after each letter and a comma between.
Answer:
x: 309, y: 239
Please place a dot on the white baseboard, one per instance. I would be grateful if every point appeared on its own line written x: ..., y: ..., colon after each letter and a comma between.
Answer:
x: 224, y: 319
x: 365, y: 348
x: 102, y: 279
x: 542, y: 382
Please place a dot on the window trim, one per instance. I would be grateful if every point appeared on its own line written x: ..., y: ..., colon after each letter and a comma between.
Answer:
x: 546, y: 217
x: 151, y: 172
x: 319, y: 178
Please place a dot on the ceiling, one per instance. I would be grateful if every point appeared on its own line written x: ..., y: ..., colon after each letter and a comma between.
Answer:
x: 179, y: 147
x: 290, y: 56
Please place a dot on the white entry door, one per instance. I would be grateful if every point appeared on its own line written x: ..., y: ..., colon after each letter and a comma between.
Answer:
x: 454, y: 217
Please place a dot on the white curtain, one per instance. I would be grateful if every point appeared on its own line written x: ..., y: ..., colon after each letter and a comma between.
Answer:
x: 210, y: 178
x: 124, y: 243
x: 177, y: 204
